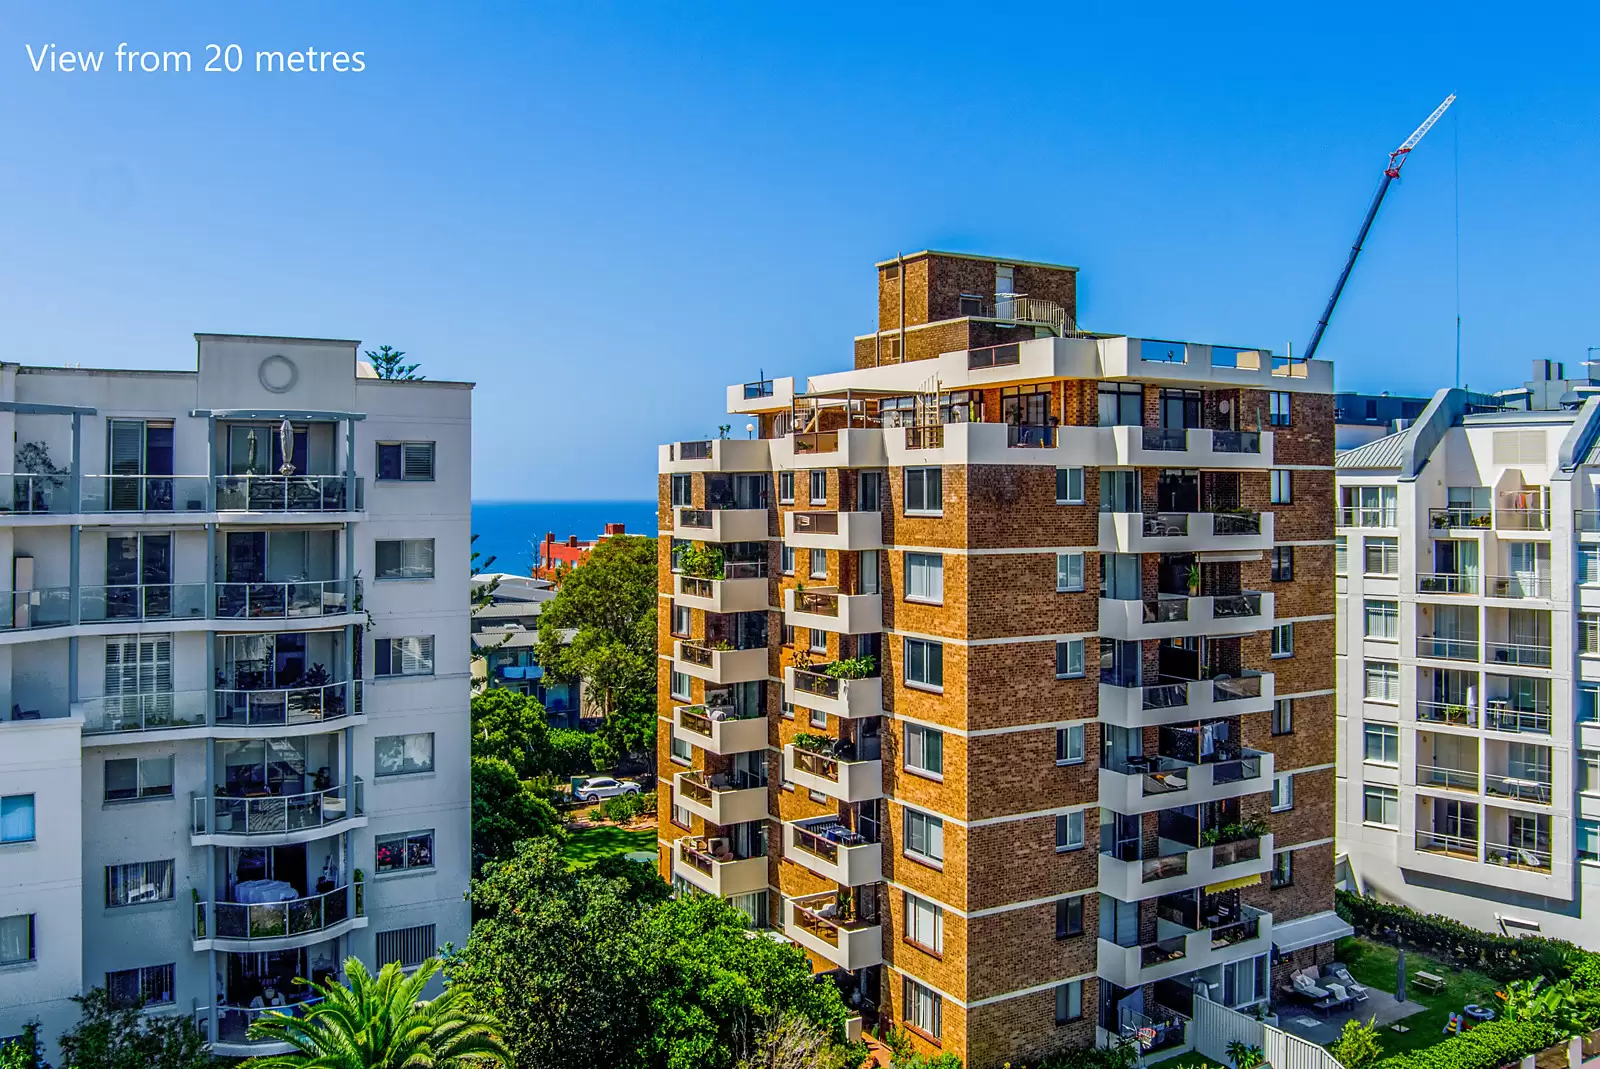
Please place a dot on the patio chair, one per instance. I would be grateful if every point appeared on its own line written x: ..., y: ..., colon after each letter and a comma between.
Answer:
x: 1304, y: 985
x: 1338, y: 972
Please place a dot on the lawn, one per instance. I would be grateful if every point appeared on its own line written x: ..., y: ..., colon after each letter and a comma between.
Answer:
x: 1187, y: 1060
x: 1373, y: 964
x: 585, y: 846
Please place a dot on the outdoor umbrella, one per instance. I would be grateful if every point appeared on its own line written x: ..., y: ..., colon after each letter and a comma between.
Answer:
x: 1400, y: 978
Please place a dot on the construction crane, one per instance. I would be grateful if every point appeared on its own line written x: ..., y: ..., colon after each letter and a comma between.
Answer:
x: 1397, y: 159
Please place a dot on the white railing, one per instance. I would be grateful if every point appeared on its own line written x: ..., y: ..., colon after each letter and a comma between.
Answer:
x: 162, y: 711
x: 280, y: 600
x: 284, y: 493
x: 143, y: 493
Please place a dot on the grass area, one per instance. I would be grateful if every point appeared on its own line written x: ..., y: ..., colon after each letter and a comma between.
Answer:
x: 1373, y: 964
x: 587, y: 845
x: 1188, y: 1060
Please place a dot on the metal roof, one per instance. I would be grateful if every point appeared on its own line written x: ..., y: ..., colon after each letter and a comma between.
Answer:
x: 1376, y: 455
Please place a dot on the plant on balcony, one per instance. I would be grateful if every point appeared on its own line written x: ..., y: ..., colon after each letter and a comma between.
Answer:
x: 700, y: 561
x: 1479, y: 521
x: 826, y: 745
x: 361, y: 895
x: 1253, y: 828
x: 1193, y: 579
x: 199, y: 914
x: 852, y: 667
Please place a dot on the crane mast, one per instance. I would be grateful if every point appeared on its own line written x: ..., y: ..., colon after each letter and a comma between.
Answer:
x: 1397, y: 159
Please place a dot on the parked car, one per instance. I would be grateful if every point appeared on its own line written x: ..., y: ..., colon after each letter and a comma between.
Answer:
x: 598, y: 787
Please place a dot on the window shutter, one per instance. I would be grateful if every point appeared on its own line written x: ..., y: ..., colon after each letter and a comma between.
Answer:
x: 417, y: 460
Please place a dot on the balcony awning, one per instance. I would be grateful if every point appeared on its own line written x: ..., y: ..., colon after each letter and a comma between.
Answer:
x: 1220, y: 556
x: 1310, y: 931
x: 1229, y: 885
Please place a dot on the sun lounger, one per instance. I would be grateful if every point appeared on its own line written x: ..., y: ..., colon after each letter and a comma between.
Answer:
x: 1305, y: 985
x: 1348, y: 982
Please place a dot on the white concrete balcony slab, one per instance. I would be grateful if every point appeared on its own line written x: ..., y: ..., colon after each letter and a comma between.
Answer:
x: 717, y: 454
x: 720, y: 525
x: 720, y: 666
x: 706, y: 864
x: 841, y: 778
x: 763, y: 395
x: 721, y: 802
x: 1185, y: 532
x: 718, y: 731
x: 825, y: 609
x: 999, y: 443
x: 1161, y: 447
x: 1168, y: 782
x: 1180, y: 702
x: 850, y: 447
x: 721, y: 595
x: 836, y: 856
x: 849, y: 944
x: 833, y: 530
x: 1183, y: 870
x: 1179, y: 950
x: 1175, y: 616
x: 844, y: 698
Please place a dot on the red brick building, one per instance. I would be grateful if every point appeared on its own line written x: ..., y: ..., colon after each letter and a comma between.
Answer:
x: 555, y: 556
x: 997, y: 673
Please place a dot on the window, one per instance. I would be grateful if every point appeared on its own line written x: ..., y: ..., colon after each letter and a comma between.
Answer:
x: 679, y: 685
x: 1587, y: 838
x: 786, y: 635
x: 16, y: 818
x: 786, y: 487
x: 1119, y: 491
x: 1282, y: 486
x: 1282, y: 792
x: 922, y: 1008
x: 405, y: 462
x: 1069, y: 1001
x: 1069, y: 486
x: 1282, y: 564
x: 1589, y: 565
x: 924, y: 923
x: 818, y: 640
x: 1278, y: 408
x: 409, y: 656
x: 1383, y: 682
x: 682, y: 751
x: 819, y: 564
x: 680, y: 815
x: 1367, y: 506
x: 1588, y: 703
x: 138, y: 883
x: 1069, y: 571
x: 1283, y: 640
x: 1380, y: 805
x: 1382, y: 556
x: 924, y: 749
x: 924, y: 492
x: 1381, y: 744
x: 924, y: 836
x: 1069, y: 658
x: 130, y: 778
x: 1341, y: 563
x: 1282, y: 868
x: 681, y: 620
x: 1069, y: 745
x: 1283, y: 716
x: 924, y: 665
x: 1069, y: 831
x: 819, y: 487
x: 149, y: 986
x: 1069, y: 916
x: 398, y: 853
x: 1121, y: 404
x: 786, y: 560
x: 925, y: 578
x: 409, y: 946
x: 404, y: 558
x: 1382, y: 619
x: 682, y: 491
x: 1589, y: 771
x: 16, y: 939
x: 402, y: 755
x: 1588, y: 633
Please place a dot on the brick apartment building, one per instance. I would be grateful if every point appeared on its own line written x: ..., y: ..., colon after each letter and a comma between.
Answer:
x: 997, y: 673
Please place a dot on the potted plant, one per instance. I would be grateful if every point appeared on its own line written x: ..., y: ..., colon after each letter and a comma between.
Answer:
x: 361, y: 900
x: 1193, y: 578
x: 851, y: 668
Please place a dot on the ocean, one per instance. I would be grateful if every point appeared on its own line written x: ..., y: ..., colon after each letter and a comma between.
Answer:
x: 510, y: 530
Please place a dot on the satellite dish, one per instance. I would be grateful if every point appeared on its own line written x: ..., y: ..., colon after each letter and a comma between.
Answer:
x: 1224, y: 406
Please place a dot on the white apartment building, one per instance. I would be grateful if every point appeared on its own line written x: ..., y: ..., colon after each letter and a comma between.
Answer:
x: 234, y: 659
x: 1469, y: 598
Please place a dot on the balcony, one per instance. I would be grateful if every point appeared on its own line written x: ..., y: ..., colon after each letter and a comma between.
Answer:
x: 848, y: 531
x: 29, y: 610
x: 1516, y: 587
x: 268, y: 819
x: 822, y: 924
x: 269, y: 707
x: 814, y: 688
x: 1442, y: 648
x: 1459, y: 518
x: 720, y: 525
x: 238, y: 926
x: 145, y: 601
x: 1499, y: 715
x: 1148, y: 784
x: 1527, y: 858
x: 176, y: 494
x: 741, y: 588
x: 1530, y: 787
x: 133, y: 713
x: 721, y: 666
x: 1450, y: 583
x: 1177, y: 701
x: 232, y: 1036
x: 1184, y: 532
x: 721, y: 730
x: 1444, y: 778
x: 833, y: 851
x: 719, y: 798
x: 1448, y: 714
x: 840, y: 775
x: 847, y: 447
x: 1178, y: 616
x: 708, y: 865
x: 1170, y: 447
x: 1527, y: 509
x: 283, y: 601
x: 34, y: 494
x: 298, y: 494
x: 1127, y: 876
x: 1444, y: 845
x: 1517, y: 654
x: 716, y: 455
x: 1180, y: 950
x: 825, y: 609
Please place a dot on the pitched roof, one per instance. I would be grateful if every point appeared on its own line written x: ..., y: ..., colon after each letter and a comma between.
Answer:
x: 1375, y: 455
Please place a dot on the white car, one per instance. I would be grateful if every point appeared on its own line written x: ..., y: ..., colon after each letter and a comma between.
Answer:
x: 600, y: 787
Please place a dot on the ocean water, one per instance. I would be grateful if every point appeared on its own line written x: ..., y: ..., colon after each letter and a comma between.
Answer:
x: 512, y: 530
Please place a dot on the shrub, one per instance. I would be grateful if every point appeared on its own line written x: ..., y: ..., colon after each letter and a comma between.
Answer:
x: 601, y: 752
x: 851, y: 668
x: 570, y: 752
x: 621, y: 808
x: 1358, y: 1046
x: 1500, y: 957
x: 1488, y: 1046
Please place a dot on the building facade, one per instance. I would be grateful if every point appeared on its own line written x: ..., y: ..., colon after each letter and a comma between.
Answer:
x: 234, y: 643
x: 996, y: 672
x: 1469, y: 602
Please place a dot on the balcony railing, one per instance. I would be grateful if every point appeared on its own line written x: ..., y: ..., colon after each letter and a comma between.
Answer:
x: 1523, y: 510
x: 42, y: 607
x: 925, y: 437
x: 1236, y: 605
x: 1163, y: 951
x: 1235, y: 852
x: 807, y: 442
x: 1452, y: 779
x: 142, y: 601
x: 1517, y: 857
x: 1229, y: 690
x: 820, y: 765
x: 1030, y: 436
x: 703, y: 656
x: 1368, y: 516
x: 1236, y: 441
x: 1447, y: 583
x: 1165, y: 696
x: 994, y: 356
x: 285, y: 493
x: 1433, y: 842
x: 816, y: 603
x: 163, y: 711
x: 275, y: 814
x: 1587, y: 520
x: 282, y: 706
x: 1162, y: 868
x: 823, y: 917
x: 1527, y: 788
x: 144, y: 493
x: 1521, y: 654
x: 1455, y: 713
x: 696, y: 518
x: 233, y: 1022
x: 1517, y: 586
x: 817, y: 684
x: 275, y: 920
x: 1165, y: 439
x: 1246, y: 927
x: 1236, y: 770
x: 329, y: 597
x: 1166, y: 525
x: 826, y: 523
x: 1517, y: 721
x: 1235, y: 523
x: 1455, y: 516
x: 1447, y: 649
x: 1166, y: 610
x: 694, y: 787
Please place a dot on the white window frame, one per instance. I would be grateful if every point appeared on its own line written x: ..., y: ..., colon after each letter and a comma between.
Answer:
x: 1071, y: 665
x: 1069, y: 1002
x: 920, y: 478
x: 1069, y: 571
x: 786, y: 487
x: 1283, y: 640
x: 1387, y: 797
x: 1387, y: 739
x: 1283, y: 716
x: 924, y: 923
x: 1282, y: 796
x: 1380, y: 682
x: 1069, y: 475
x: 929, y: 648
x: 924, y: 750
x: 1069, y: 745
x: 1069, y: 831
x: 1387, y: 612
x: 416, y: 559
x: 407, y: 450
x: 1282, y: 486
x: 924, y: 581
x: 813, y: 478
x: 932, y: 834
x: 786, y: 559
x: 419, y: 650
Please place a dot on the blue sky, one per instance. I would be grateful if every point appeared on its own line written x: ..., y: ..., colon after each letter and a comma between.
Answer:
x: 602, y: 213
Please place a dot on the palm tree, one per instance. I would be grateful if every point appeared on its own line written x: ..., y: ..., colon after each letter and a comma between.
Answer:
x: 381, y: 1023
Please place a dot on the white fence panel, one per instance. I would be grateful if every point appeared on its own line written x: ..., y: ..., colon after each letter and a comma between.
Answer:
x: 1214, y: 1026
x: 1285, y: 1051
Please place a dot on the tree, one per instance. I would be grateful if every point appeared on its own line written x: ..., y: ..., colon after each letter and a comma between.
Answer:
x: 482, y: 598
x: 388, y: 363
x: 382, y: 1022
x: 24, y: 1052
x: 1358, y: 1046
x: 1530, y: 1000
x: 504, y: 812
x: 512, y: 727
x: 124, y: 1037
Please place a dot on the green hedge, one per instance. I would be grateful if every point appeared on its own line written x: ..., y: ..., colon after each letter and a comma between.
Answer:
x: 1500, y: 957
x: 1489, y: 1045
